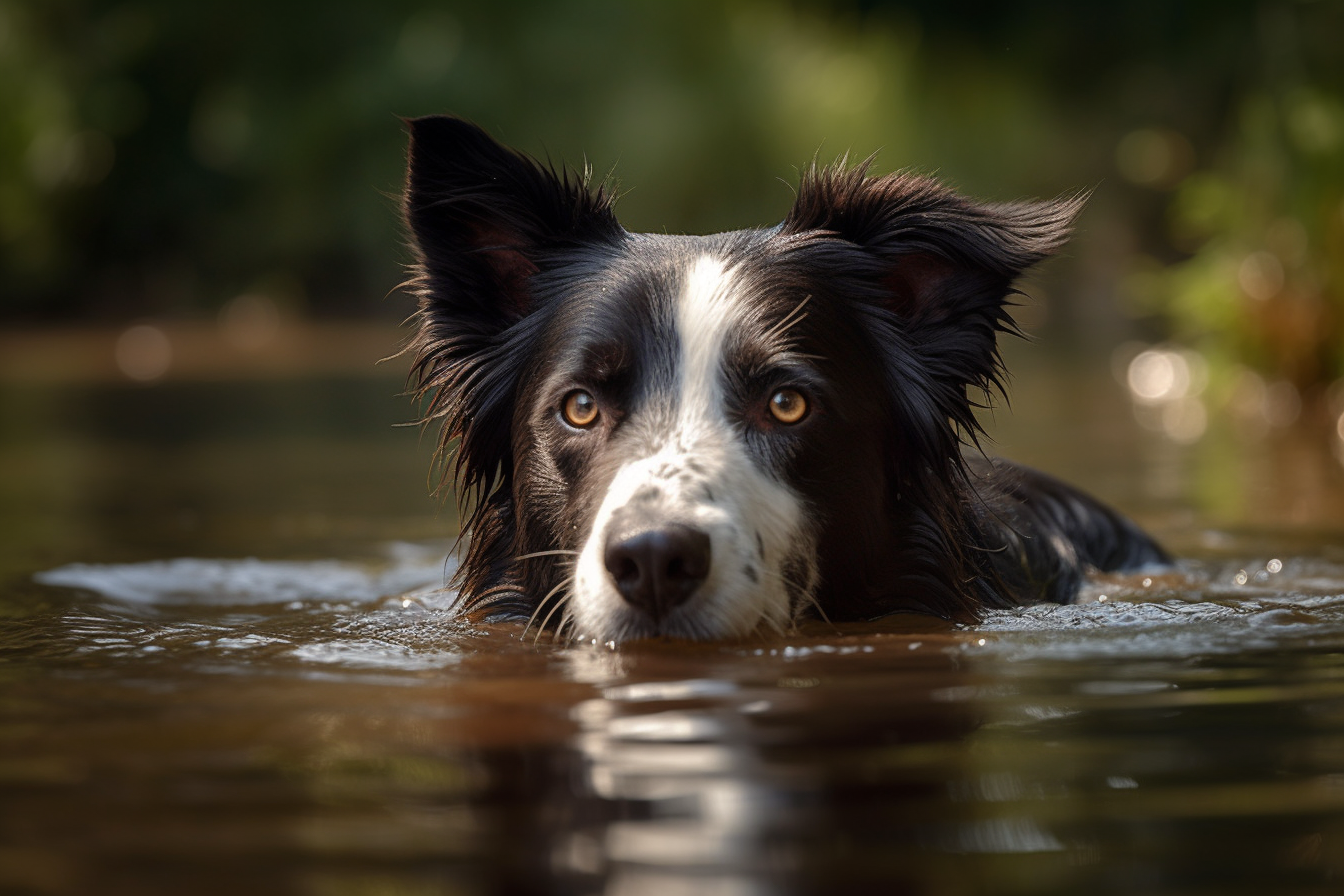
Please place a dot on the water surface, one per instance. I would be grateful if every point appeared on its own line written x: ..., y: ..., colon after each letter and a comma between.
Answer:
x: 227, y: 665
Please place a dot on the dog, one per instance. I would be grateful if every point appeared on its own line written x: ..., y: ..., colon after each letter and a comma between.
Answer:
x: 706, y: 437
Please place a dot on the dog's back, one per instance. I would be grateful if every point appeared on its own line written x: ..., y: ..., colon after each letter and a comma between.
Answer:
x: 1052, y: 533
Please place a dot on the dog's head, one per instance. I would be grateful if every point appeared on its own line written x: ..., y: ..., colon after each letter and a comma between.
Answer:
x: 703, y: 436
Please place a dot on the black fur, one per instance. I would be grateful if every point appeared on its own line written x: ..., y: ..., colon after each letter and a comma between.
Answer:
x: 524, y: 271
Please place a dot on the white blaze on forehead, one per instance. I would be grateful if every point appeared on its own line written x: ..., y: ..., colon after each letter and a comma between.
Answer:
x: 705, y: 313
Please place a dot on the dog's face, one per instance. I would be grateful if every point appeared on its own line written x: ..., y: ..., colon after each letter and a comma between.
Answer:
x: 667, y: 416
x: 704, y: 436
x: 692, y: 435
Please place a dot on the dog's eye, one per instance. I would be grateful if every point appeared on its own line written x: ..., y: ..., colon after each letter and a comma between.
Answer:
x: 579, y: 409
x: 788, y: 406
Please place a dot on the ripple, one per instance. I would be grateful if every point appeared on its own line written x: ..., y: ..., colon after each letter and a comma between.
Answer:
x: 1205, y: 609
x: 211, y: 582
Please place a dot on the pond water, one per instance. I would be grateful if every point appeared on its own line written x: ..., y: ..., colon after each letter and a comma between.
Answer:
x: 227, y: 665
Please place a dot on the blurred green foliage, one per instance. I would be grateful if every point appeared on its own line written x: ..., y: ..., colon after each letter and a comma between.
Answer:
x: 161, y: 158
x: 1262, y: 221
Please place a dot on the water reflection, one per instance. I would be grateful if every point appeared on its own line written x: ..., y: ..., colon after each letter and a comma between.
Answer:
x: 752, y: 779
x: 695, y: 775
x: 167, y: 726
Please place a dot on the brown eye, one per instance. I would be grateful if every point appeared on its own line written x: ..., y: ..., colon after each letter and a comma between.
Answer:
x: 579, y: 409
x: 788, y: 406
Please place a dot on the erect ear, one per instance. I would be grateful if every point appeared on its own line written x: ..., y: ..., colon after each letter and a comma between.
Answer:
x: 483, y: 218
x: 940, y: 257
x: 933, y: 277
x: 484, y: 221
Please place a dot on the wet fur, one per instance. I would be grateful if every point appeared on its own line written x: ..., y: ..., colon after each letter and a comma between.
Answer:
x: 884, y: 295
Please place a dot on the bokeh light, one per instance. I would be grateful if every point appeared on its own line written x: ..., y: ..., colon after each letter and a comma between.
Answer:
x: 144, y: 353
x: 1261, y: 275
x: 1169, y: 388
x: 250, y: 322
x: 1166, y: 384
x: 1154, y: 157
x: 1335, y: 402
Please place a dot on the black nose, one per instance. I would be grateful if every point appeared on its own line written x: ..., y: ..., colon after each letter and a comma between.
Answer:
x: 658, y: 569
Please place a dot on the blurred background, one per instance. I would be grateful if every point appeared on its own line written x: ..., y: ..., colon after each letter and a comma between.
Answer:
x: 199, y: 222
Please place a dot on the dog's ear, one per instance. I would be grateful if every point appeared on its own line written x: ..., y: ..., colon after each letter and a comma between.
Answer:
x: 935, y: 275
x: 483, y: 219
x: 940, y: 256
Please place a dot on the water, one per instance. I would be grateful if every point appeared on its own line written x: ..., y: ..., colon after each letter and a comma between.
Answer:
x: 226, y: 665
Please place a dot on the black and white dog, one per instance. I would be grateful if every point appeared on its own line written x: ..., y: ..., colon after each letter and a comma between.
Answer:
x: 706, y: 436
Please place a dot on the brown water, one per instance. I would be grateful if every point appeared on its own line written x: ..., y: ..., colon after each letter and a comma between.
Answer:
x: 176, y: 717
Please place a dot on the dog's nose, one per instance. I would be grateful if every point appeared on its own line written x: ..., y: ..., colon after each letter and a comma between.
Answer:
x: 658, y: 569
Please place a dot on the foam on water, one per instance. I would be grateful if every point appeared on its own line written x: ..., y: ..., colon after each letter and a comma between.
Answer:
x: 205, y: 582
x: 395, y: 614
x: 388, y: 615
x: 1201, y: 609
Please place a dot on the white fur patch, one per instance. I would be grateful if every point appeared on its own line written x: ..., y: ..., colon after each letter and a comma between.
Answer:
x: 695, y: 470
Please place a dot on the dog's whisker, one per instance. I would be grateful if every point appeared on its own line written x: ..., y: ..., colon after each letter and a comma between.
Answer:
x: 558, y: 552
x: 793, y: 317
x: 564, y: 599
x: 566, y: 622
x: 804, y: 597
x: 541, y: 604
x: 490, y: 596
x: 792, y: 589
x: 810, y: 600
x: 776, y: 626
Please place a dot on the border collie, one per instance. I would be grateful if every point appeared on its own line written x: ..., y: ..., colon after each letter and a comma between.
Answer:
x: 706, y: 436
